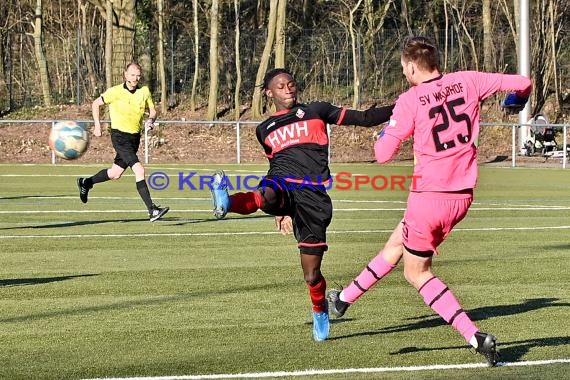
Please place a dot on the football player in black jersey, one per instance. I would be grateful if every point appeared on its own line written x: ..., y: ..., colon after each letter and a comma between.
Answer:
x: 296, y: 144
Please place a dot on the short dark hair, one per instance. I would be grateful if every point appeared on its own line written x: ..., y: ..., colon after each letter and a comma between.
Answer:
x: 422, y: 51
x: 133, y: 63
x: 272, y: 74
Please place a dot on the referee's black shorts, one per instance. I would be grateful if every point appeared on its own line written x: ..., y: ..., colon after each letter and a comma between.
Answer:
x: 126, y: 145
x: 310, y: 207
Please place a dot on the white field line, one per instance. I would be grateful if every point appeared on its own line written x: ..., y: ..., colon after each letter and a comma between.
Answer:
x: 245, y: 233
x: 313, y: 372
x: 499, y: 205
x: 78, y: 211
x: 154, y: 169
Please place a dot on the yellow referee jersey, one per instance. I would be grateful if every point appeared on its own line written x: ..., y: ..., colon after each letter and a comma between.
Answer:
x: 127, y: 108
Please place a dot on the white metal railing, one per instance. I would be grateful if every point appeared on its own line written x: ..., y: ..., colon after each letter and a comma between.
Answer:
x: 238, y: 124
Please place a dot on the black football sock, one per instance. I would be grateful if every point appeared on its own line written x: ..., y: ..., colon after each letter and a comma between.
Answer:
x: 102, y: 176
x: 144, y: 193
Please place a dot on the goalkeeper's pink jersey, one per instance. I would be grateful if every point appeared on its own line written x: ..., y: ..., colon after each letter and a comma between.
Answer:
x: 442, y: 116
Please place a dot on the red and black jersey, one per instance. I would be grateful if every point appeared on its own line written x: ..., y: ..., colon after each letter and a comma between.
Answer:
x: 296, y: 141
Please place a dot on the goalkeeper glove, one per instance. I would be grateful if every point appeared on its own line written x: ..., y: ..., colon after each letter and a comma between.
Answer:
x: 514, y: 103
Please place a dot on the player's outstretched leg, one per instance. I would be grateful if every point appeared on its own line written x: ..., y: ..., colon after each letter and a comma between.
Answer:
x: 220, y: 195
x: 157, y: 212
x: 337, y: 307
x: 83, y: 190
x: 487, y: 346
x: 321, y: 324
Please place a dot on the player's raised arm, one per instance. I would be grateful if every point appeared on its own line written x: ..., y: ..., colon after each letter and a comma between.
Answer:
x: 371, y: 117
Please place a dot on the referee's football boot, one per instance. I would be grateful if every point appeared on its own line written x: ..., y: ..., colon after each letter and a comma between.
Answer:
x: 220, y: 195
x: 487, y: 346
x: 321, y: 324
x: 157, y: 212
x: 337, y: 307
x: 83, y: 190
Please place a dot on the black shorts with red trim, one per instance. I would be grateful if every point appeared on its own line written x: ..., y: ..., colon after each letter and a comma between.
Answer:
x: 126, y: 145
x: 310, y: 207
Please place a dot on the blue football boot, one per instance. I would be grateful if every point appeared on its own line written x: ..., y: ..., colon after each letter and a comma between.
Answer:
x: 321, y: 324
x: 220, y: 195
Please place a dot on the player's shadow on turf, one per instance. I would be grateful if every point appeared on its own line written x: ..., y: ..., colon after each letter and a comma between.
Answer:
x: 5, y: 283
x: 497, y: 159
x: 31, y: 196
x: 74, y: 224
x: 510, y: 351
x: 482, y: 313
x: 556, y: 247
x: 194, y: 221
x: 149, y: 300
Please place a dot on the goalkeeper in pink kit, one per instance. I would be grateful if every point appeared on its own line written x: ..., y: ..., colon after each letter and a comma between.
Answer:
x: 441, y: 113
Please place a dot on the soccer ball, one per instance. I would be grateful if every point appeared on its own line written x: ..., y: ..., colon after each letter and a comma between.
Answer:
x: 68, y: 139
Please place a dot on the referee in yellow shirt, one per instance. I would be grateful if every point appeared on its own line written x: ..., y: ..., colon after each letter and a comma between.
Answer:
x: 127, y: 103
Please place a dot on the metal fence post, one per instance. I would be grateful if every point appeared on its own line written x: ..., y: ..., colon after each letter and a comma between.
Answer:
x: 514, y: 146
x: 53, y: 158
x: 145, y: 145
x: 564, y: 142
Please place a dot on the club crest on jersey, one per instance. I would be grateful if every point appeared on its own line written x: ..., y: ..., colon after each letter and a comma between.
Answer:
x: 300, y: 113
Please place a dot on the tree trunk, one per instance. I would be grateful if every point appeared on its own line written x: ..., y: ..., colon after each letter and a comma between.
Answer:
x: 161, y: 59
x: 4, y: 89
x: 355, y: 57
x: 554, y: 41
x: 445, y: 45
x: 237, y: 99
x: 488, y: 50
x: 280, y: 33
x: 460, y: 16
x: 264, y: 60
x: 123, y: 36
x: 196, y: 52
x: 109, y: 43
x: 87, y: 51
x: 405, y: 17
x: 512, y: 19
x: 40, y: 55
x: 214, y: 69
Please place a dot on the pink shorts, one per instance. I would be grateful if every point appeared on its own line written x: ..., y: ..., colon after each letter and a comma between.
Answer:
x: 430, y: 217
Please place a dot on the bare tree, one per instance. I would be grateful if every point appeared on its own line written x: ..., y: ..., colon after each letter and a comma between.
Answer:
x: 488, y: 50
x: 120, y: 17
x: 354, y: 46
x: 445, y: 45
x: 375, y: 22
x: 40, y: 54
x: 161, y: 60
x: 512, y: 19
x: 405, y: 16
x: 461, y: 23
x: 280, y: 33
x: 109, y: 43
x: 214, y: 68
x: 196, y: 53
x: 237, y: 100
x: 264, y: 60
x: 548, y: 26
x: 86, y: 48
